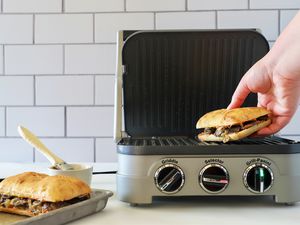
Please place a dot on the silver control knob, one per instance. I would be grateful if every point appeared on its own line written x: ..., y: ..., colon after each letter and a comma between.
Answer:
x: 169, y: 178
x: 258, y: 178
x: 214, y: 178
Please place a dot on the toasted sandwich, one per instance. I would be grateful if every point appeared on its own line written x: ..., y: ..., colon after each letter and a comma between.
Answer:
x: 32, y: 193
x: 232, y: 124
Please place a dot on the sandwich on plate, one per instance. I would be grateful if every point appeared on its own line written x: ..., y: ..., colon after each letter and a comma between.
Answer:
x: 32, y: 193
x: 232, y: 124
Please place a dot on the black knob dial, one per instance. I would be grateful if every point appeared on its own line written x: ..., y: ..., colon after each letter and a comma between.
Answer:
x: 213, y: 178
x: 169, y: 178
x: 258, y: 178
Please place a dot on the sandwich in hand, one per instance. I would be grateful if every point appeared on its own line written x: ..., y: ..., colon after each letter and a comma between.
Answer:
x: 32, y: 193
x: 232, y: 124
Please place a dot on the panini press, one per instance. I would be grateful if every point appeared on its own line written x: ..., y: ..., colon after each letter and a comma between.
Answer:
x: 165, y: 81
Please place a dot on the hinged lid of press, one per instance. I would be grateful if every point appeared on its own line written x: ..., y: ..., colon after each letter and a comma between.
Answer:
x: 171, y: 78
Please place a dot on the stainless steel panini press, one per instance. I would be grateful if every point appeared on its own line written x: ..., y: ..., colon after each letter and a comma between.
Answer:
x: 165, y: 81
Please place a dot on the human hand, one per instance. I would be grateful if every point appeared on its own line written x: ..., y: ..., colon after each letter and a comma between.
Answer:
x: 276, y: 79
x: 276, y: 92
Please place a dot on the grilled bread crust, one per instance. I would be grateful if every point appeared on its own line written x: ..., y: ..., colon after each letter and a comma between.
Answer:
x: 22, y: 212
x: 229, y: 117
x: 43, y: 187
x: 234, y: 136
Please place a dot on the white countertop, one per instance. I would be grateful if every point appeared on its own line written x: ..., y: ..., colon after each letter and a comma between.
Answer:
x: 198, y: 210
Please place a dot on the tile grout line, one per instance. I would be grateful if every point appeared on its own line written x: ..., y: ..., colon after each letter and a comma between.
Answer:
x: 65, y: 121
x: 64, y: 60
x: 248, y: 4
x: 1, y: 6
x: 94, y: 28
x: 34, y: 90
x: 125, y: 8
x: 94, y: 139
x: 63, y: 6
x: 216, y: 18
x: 3, y: 60
x: 94, y: 90
x: 33, y: 29
x: 186, y: 5
x: 146, y: 11
x: 154, y: 20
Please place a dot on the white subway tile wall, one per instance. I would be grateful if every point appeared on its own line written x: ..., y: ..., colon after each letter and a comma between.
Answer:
x: 94, y: 6
x: 266, y: 21
x: 285, y: 17
x: 58, y: 57
x: 274, y: 4
x: 155, y: 5
x: 90, y: 59
x: 15, y: 150
x: 104, y: 93
x: 64, y: 90
x: 16, y: 29
x: 90, y: 121
x: 16, y: 90
x: 33, y: 59
x: 70, y: 149
x: 64, y: 28
x: 103, y: 145
x: 106, y: 32
x: 32, y: 6
x: 186, y: 20
x: 43, y: 121
x: 217, y: 4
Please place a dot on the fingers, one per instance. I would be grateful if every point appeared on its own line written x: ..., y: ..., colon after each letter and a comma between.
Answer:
x: 277, y: 124
x: 256, y: 80
x: 240, y: 94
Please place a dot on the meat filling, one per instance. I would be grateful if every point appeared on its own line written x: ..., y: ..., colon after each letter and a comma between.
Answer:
x: 36, y: 206
x: 221, y: 131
